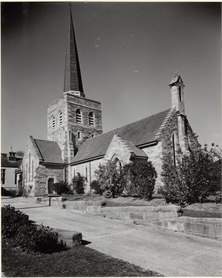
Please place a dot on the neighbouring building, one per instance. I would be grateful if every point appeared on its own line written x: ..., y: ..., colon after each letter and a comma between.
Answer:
x: 76, y: 142
x: 10, y: 176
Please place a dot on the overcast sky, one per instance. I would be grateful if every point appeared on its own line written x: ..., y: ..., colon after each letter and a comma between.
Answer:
x: 128, y: 55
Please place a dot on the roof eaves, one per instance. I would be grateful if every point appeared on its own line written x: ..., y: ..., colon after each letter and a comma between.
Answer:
x: 86, y: 160
x: 152, y: 143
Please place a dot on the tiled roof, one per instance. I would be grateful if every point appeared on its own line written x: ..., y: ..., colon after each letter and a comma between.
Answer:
x: 140, y: 132
x: 49, y: 151
x: 5, y: 162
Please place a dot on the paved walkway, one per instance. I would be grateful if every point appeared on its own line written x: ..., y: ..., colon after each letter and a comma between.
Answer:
x: 169, y: 253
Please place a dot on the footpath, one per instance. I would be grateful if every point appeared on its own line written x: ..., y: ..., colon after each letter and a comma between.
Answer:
x: 167, y: 252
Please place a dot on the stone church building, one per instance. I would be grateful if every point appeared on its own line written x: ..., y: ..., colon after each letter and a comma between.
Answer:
x: 76, y: 142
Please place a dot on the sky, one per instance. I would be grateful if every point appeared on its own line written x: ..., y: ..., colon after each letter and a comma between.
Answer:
x: 128, y: 55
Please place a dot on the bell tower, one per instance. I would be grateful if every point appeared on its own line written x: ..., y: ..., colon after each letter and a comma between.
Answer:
x: 73, y: 118
x: 177, y: 101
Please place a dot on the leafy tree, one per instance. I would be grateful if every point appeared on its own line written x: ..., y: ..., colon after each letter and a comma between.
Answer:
x: 20, y: 153
x: 137, y: 178
x: 79, y: 184
x: 141, y: 177
x: 111, y: 179
x: 195, y: 176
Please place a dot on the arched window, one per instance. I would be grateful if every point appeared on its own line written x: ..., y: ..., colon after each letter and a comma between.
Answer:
x: 91, y: 118
x: 53, y: 122
x: 60, y: 117
x: 78, y: 116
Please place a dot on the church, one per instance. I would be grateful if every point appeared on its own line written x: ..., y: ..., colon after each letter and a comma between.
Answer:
x: 76, y: 142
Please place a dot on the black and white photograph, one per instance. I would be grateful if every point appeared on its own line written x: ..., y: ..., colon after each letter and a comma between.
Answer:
x: 111, y: 139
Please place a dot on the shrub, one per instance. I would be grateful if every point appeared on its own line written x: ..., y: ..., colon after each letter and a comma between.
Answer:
x: 61, y: 187
x: 5, y: 192
x: 141, y: 177
x: 95, y: 185
x: 12, y: 220
x: 79, y: 184
x: 37, y: 238
x: 111, y: 178
x: 23, y: 233
x: 195, y: 176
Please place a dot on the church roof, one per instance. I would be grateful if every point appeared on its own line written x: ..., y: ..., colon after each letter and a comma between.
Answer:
x: 137, y: 152
x: 72, y: 77
x: 49, y: 151
x: 140, y: 132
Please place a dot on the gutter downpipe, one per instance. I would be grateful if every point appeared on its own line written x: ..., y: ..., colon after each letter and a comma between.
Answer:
x: 90, y: 189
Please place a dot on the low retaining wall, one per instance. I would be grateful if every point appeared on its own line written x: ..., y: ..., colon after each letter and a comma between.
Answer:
x: 166, y: 217
x: 50, y: 201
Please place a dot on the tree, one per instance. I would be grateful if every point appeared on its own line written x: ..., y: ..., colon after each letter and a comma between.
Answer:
x: 79, y: 184
x: 141, y: 177
x: 20, y: 153
x: 195, y: 176
x: 137, y: 178
x: 111, y: 179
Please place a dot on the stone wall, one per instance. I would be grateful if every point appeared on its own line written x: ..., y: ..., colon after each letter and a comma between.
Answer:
x: 87, y: 170
x: 118, y: 148
x: 30, y: 163
x: 43, y: 174
x: 154, y: 154
x: 164, y: 217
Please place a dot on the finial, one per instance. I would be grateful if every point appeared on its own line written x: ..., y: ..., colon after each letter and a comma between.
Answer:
x: 11, y: 149
x: 175, y: 72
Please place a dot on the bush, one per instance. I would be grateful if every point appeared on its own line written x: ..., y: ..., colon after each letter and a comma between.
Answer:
x: 141, y: 177
x: 61, y: 188
x: 36, y: 238
x: 111, y: 179
x: 95, y: 185
x: 196, y: 176
x: 79, y: 184
x: 12, y: 220
x: 5, y: 192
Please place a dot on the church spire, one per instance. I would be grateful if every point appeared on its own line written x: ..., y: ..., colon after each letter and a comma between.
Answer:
x: 72, y: 78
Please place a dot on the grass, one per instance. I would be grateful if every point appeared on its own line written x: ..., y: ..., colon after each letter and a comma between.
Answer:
x: 80, y: 261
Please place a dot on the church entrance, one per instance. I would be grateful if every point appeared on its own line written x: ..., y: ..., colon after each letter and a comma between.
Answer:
x: 50, y: 187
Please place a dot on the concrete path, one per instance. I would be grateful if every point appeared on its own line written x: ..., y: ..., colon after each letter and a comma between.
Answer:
x: 169, y: 253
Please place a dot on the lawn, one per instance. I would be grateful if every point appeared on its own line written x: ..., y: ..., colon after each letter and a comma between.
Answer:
x: 79, y: 261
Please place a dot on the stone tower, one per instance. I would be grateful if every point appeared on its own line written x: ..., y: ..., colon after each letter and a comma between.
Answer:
x: 177, y: 99
x: 72, y: 118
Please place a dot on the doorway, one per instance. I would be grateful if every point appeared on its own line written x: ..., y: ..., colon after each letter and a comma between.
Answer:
x: 50, y: 185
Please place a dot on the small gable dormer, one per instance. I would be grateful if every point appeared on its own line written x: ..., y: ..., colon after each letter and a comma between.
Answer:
x: 177, y: 93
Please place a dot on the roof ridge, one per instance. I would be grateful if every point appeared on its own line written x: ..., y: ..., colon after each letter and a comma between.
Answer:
x: 116, y: 129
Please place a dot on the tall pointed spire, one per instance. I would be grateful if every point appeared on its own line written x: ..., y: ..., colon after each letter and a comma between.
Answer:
x: 72, y: 78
